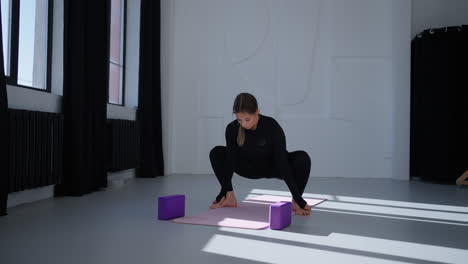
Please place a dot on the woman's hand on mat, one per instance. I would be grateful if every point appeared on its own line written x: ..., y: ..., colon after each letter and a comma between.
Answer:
x: 301, y: 211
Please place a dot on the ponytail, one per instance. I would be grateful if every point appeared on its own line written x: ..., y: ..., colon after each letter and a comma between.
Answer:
x: 247, y: 103
x: 241, y: 136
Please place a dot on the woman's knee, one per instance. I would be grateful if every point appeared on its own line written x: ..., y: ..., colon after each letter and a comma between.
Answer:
x: 217, y: 152
x: 301, y: 158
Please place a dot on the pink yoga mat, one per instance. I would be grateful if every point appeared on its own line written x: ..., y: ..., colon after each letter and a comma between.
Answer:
x: 250, y: 214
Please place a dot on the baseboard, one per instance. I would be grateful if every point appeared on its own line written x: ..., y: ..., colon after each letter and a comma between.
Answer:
x: 115, y: 179
x: 118, y: 179
x: 29, y: 196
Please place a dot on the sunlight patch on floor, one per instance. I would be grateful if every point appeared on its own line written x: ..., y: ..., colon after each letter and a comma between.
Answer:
x: 361, y: 243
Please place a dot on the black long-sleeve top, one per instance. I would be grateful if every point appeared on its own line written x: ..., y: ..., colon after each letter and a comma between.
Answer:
x: 262, y: 155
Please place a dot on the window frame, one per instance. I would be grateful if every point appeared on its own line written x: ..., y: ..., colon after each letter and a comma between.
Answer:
x: 123, y: 51
x: 12, y: 79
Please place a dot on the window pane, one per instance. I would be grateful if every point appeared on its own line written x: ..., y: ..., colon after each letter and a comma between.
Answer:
x: 32, y: 49
x: 116, y: 27
x: 115, y: 84
x: 6, y: 18
x: 116, y: 67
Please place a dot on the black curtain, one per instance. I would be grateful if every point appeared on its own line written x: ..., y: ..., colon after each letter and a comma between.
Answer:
x: 439, y: 95
x: 4, y: 131
x: 85, y: 90
x: 149, y: 92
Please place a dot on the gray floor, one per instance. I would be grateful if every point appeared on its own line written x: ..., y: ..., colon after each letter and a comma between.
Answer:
x: 364, y: 221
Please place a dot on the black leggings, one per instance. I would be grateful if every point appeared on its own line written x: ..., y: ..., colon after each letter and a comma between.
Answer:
x: 298, y: 160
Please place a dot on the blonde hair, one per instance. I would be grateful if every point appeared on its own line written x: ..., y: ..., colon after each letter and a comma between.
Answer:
x: 241, y: 136
x: 246, y: 103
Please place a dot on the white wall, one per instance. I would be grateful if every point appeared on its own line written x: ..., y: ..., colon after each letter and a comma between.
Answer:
x: 57, y: 49
x: 335, y: 74
x: 132, y: 54
x: 167, y: 77
x: 33, y: 100
x: 401, y: 94
x: 438, y: 13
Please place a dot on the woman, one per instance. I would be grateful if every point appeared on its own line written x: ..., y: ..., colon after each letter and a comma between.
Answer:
x: 256, y: 148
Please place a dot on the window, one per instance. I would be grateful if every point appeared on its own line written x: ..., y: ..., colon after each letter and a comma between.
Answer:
x: 27, y: 31
x: 117, y: 54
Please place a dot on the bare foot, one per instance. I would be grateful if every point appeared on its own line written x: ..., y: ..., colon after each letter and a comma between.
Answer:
x: 300, y: 211
x: 217, y: 204
x: 227, y: 201
x: 230, y: 200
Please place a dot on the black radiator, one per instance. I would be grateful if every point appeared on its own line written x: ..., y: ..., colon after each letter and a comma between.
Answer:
x: 36, y: 147
x: 123, y: 144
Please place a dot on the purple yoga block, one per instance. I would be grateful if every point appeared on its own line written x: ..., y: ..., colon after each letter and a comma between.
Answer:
x: 280, y: 215
x: 171, y: 206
